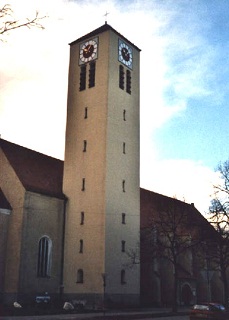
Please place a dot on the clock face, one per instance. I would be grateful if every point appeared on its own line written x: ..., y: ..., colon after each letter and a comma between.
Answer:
x: 88, y: 51
x: 125, y: 54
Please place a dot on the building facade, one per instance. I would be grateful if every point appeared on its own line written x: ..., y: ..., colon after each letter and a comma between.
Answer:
x: 68, y: 228
x: 31, y: 220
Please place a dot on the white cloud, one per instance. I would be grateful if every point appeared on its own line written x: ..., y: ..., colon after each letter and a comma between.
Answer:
x: 184, y: 179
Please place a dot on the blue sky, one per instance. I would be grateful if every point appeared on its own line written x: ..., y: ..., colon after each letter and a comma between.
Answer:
x: 200, y: 132
x: 184, y: 84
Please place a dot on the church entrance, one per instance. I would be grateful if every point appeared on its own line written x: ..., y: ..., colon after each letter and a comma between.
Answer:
x: 186, y: 295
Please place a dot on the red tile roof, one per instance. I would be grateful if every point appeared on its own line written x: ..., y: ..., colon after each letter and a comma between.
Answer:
x: 37, y: 172
x: 152, y: 202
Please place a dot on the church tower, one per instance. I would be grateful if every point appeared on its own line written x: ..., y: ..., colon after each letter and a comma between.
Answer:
x: 101, y: 169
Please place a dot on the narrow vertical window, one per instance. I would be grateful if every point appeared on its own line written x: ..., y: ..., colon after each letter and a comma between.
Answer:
x: 123, y: 218
x: 124, y: 147
x: 121, y: 77
x: 123, y: 246
x: 81, y: 246
x: 123, y: 185
x: 123, y: 276
x: 84, y: 145
x: 128, y: 81
x: 44, y: 257
x: 91, y: 75
x: 85, y: 113
x: 79, y: 278
x: 124, y: 115
x: 83, y: 184
x: 82, y: 78
x: 82, y: 217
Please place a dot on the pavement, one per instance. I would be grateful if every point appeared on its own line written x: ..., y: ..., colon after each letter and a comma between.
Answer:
x: 106, y: 315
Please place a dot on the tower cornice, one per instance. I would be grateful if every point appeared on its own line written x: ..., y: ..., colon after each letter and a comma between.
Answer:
x: 103, y: 28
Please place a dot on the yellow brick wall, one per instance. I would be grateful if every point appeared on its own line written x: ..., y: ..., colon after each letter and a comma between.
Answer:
x: 14, y: 192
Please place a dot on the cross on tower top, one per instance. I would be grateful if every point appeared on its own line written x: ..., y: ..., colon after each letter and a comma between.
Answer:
x: 105, y: 15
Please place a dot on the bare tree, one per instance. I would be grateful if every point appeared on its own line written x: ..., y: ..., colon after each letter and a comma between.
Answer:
x: 173, y: 239
x: 170, y: 230
x: 173, y: 244
x: 9, y: 23
x: 219, y: 211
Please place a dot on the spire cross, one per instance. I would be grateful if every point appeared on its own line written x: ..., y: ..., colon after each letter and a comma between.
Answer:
x: 105, y: 15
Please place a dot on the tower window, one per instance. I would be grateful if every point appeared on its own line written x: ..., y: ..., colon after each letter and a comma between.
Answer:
x: 124, y: 147
x: 81, y: 246
x: 92, y: 75
x: 124, y: 115
x: 85, y: 113
x: 123, y: 218
x: 82, y: 217
x: 84, y: 145
x: 123, y: 246
x: 44, y: 257
x: 121, y: 77
x: 83, y: 184
x: 82, y: 78
x: 128, y: 81
x: 123, y: 276
x: 79, y: 278
x: 123, y: 185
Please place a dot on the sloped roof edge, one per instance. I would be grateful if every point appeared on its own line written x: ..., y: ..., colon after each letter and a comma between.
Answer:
x: 190, y: 207
x: 37, y: 172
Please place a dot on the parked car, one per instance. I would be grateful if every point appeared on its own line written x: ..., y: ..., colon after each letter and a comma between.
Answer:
x: 214, y: 311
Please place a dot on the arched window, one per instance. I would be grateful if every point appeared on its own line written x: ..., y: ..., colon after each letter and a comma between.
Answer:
x: 79, y: 278
x: 44, y: 257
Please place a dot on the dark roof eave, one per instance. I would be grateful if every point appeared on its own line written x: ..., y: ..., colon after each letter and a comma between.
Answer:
x: 60, y: 196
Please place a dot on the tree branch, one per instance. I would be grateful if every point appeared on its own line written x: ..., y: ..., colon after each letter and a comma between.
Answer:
x: 10, y: 23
